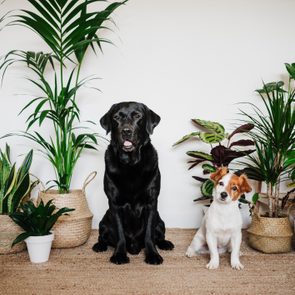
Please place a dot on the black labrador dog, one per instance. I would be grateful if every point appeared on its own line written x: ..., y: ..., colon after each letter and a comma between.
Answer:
x: 132, y: 185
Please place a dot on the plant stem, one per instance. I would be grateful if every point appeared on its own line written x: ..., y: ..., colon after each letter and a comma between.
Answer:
x: 270, y: 198
x: 277, y: 197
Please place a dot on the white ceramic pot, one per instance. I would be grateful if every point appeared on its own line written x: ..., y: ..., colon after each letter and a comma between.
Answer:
x: 39, y: 247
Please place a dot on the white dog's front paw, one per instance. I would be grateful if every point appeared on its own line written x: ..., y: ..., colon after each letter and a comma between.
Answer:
x: 213, y: 264
x: 237, y: 265
x: 190, y: 252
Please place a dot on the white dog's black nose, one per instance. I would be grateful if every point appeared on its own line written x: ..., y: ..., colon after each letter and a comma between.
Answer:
x: 223, y: 195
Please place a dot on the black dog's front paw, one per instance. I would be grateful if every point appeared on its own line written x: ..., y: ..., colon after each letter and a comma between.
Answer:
x: 119, y: 258
x: 165, y: 245
x: 100, y: 247
x: 153, y: 258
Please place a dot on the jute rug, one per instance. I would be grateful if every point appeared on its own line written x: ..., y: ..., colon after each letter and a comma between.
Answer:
x: 81, y: 271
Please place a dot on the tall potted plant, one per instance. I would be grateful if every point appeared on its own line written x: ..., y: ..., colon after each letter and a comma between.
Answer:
x: 69, y: 29
x: 15, y: 186
x: 274, y: 137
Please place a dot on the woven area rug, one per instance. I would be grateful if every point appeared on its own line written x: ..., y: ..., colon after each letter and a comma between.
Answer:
x: 81, y: 271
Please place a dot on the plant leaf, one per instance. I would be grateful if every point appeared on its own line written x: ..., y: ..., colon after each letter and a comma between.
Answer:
x: 242, y: 129
x: 186, y: 137
x: 210, y: 125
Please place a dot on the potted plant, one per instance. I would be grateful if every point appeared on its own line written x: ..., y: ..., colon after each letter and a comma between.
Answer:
x: 69, y: 29
x: 274, y: 137
x: 15, y: 186
x: 37, y: 222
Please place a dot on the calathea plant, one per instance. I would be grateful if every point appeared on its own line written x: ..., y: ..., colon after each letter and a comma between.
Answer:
x: 222, y: 151
x: 68, y: 28
x: 15, y: 184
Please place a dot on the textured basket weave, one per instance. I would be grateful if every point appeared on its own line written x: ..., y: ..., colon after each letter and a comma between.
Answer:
x: 74, y: 229
x: 270, y: 235
x: 8, y: 232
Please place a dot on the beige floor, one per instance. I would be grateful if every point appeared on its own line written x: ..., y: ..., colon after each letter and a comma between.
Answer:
x: 81, y: 271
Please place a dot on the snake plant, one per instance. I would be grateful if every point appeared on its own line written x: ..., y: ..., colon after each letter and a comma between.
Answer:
x: 222, y: 151
x: 68, y: 28
x: 15, y: 184
x: 36, y: 220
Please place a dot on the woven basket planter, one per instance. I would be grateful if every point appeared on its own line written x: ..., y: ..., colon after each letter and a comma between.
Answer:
x: 8, y: 232
x: 74, y: 229
x: 270, y: 235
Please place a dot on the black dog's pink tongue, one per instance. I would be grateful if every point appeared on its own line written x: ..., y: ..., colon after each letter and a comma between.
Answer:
x: 127, y: 144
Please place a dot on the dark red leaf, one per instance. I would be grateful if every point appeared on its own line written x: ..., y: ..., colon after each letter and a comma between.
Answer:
x: 244, y: 128
x: 201, y: 179
x: 223, y: 156
x: 195, y: 163
x: 242, y: 142
x: 203, y: 198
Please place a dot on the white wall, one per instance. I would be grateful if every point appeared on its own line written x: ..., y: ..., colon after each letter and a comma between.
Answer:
x: 184, y: 59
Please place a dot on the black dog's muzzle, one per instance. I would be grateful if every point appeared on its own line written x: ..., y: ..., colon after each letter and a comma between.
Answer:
x: 127, y: 135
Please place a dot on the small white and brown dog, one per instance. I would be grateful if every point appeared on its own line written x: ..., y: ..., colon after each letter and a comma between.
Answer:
x: 221, y: 227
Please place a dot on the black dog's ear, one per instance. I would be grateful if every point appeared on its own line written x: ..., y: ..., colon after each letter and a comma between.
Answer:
x: 152, y: 120
x: 106, y: 120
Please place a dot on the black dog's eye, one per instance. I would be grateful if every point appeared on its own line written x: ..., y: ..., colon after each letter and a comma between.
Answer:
x: 221, y: 183
x: 137, y: 116
x: 116, y: 117
x: 234, y: 188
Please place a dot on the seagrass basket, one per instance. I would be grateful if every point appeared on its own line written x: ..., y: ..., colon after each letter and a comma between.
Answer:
x: 74, y: 229
x: 8, y: 232
x: 270, y: 235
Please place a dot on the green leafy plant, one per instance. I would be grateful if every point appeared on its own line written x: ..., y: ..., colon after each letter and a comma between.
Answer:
x: 274, y: 137
x: 36, y: 220
x: 69, y: 28
x: 15, y: 184
x: 222, y: 151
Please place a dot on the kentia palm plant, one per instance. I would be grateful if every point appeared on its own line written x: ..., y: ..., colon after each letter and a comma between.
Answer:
x: 69, y: 28
x: 274, y: 136
x: 222, y: 151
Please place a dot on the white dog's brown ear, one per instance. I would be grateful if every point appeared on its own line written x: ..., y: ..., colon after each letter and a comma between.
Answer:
x: 216, y: 176
x: 244, y: 185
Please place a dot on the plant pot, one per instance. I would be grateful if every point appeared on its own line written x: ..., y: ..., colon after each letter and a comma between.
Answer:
x: 8, y: 232
x: 246, y: 216
x: 270, y: 235
x: 39, y: 247
x: 74, y: 229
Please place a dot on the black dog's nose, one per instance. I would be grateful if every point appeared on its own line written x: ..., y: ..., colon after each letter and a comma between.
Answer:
x: 223, y: 195
x: 126, y: 132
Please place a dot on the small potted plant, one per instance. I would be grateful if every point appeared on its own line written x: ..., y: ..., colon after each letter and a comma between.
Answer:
x: 274, y: 137
x: 68, y: 29
x: 15, y: 186
x: 37, y: 222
